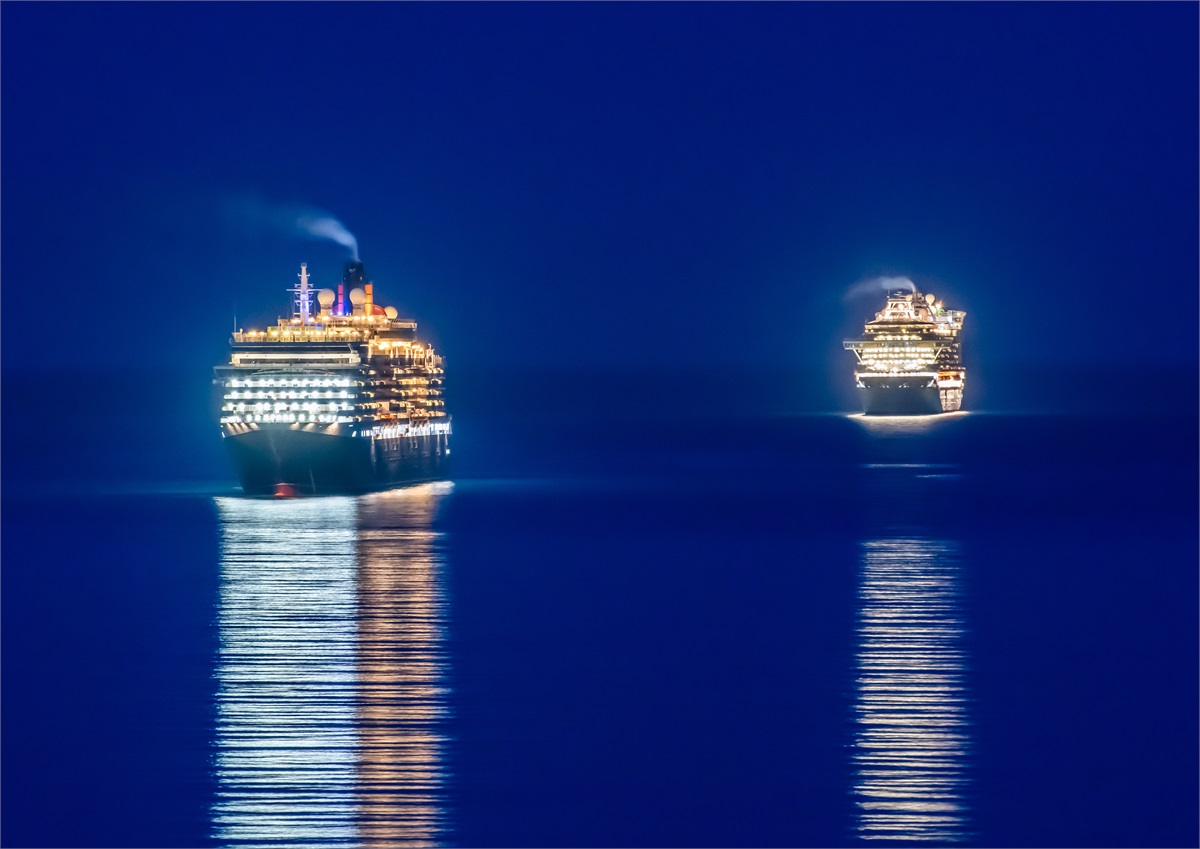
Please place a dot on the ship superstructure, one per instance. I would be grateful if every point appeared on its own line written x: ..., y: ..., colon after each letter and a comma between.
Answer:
x: 340, y: 396
x: 909, y: 360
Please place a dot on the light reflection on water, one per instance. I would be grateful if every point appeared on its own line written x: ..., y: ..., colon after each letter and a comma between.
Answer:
x: 331, y: 693
x: 912, y: 728
x: 907, y: 425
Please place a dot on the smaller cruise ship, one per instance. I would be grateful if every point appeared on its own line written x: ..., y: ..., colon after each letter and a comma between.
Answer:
x: 909, y: 360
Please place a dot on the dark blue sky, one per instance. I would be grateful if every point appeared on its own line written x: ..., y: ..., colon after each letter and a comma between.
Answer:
x: 606, y: 183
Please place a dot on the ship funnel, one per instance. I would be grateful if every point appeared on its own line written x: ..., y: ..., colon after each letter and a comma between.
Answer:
x: 353, y: 277
x: 354, y: 274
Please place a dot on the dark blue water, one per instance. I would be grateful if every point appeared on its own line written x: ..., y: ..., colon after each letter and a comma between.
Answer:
x: 688, y: 628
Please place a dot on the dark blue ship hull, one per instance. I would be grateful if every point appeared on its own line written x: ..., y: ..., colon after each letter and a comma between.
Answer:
x: 275, y: 458
x: 900, y: 396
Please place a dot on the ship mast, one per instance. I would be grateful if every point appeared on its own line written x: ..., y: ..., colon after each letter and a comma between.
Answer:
x: 303, y: 293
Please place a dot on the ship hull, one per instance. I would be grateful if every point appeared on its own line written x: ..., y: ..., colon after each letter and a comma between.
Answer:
x: 270, y: 460
x: 900, y: 398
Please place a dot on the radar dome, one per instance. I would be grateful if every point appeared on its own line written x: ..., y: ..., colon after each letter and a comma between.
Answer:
x: 929, y: 299
x: 391, y: 312
x: 357, y: 297
x: 325, y: 297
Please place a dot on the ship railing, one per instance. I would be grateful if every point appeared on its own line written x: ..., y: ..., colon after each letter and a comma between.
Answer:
x: 243, y: 336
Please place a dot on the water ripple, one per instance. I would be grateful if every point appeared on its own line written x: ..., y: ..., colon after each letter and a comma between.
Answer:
x: 331, y: 678
x: 912, y: 730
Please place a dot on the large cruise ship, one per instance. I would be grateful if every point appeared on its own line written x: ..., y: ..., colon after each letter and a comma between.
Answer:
x: 342, y: 398
x: 909, y: 362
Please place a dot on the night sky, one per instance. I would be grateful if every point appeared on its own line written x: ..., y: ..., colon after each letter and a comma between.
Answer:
x: 591, y: 184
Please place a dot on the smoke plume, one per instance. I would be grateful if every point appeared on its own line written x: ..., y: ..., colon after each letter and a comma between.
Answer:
x: 321, y: 226
x: 872, y: 285
x: 255, y: 214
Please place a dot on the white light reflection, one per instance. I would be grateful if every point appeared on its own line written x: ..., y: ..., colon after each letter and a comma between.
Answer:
x: 906, y: 425
x: 331, y: 671
x: 912, y: 725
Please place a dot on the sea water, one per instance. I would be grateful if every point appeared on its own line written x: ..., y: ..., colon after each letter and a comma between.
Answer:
x: 773, y: 630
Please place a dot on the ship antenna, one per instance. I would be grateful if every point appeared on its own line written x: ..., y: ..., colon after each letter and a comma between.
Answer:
x: 303, y: 292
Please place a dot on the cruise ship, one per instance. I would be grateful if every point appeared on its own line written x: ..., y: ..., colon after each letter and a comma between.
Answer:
x: 338, y: 397
x: 908, y: 359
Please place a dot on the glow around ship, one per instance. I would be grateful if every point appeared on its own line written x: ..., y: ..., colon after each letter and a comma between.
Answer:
x: 908, y: 359
x: 343, y: 398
